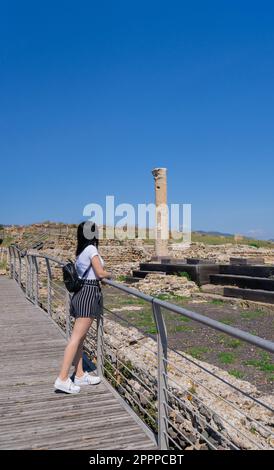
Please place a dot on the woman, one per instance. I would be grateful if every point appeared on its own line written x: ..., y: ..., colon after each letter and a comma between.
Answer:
x: 86, y: 304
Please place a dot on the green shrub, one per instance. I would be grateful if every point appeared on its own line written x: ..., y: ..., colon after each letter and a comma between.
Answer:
x: 184, y: 274
x: 264, y: 364
x: 121, y: 278
x: 226, y: 357
x: 197, y: 352
x: 217, y: 302
x: 236, y: 373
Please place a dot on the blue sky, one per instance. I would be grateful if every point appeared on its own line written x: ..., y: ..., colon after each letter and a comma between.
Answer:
x: 94, y: 95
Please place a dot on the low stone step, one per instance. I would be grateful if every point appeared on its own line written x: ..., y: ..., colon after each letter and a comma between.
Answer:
x: 200, y: 261
x: 142, y: 274
x: 212, y: 289
x: 252, y: 271
x: 174, y: 261
x: 198, y: 273
x: 248, y: 282
x: 247, y: 261
x: 167, y: 260
x: 160, y: 259
x: 250, y: 294
x: 132, y: 279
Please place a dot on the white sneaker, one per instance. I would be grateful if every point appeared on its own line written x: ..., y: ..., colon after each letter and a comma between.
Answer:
x: 66, y: 386
x: 87, y: 379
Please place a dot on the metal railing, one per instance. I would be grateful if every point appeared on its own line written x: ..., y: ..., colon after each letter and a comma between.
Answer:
x: 185, y: 403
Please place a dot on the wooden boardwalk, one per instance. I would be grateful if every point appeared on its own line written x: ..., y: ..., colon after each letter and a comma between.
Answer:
x: 32, y: 415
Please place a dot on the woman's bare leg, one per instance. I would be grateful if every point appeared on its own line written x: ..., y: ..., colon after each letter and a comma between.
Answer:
x: 80, y: 329
x: 78, y: 360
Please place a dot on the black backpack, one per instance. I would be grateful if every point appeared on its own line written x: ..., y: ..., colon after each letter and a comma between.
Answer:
x: 70, y: 277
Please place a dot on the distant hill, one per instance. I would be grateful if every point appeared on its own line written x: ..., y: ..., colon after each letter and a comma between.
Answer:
x: 214, y: 234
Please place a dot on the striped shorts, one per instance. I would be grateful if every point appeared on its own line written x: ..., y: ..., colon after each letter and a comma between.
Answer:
x: 88, y: 301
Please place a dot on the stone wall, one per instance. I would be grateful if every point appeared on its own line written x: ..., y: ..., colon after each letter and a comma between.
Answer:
x: 220, y: 253
x: 118, y: 253
x: 155, y: 284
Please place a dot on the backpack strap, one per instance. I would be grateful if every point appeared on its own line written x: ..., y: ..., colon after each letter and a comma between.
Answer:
x: 86, y: 272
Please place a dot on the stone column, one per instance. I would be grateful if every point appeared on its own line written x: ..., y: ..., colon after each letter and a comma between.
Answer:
x: 162, y: 229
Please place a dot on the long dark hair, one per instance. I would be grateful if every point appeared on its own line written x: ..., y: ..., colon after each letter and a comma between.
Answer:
x: 87, y: 234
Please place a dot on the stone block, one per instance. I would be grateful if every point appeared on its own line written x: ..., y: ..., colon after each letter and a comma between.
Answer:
x: 247, y: 261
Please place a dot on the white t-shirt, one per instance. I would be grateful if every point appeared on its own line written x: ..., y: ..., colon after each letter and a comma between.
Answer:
x: 84, y: 259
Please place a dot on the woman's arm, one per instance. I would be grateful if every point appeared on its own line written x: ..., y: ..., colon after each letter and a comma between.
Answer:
x: 98, y: 268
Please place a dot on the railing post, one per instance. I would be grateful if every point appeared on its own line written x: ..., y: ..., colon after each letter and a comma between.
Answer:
x: 20, y: 267
x: 28, y: 276
x: 14, y: 263
x: 25, y: 271
x: 31, y: 279
x: 11, y: 262
x: 67, y: 315
x: 17, y: 254
x: 49, y: 277
x: 36, y: 292
x: 100, y: 345
x: 162, y: 377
